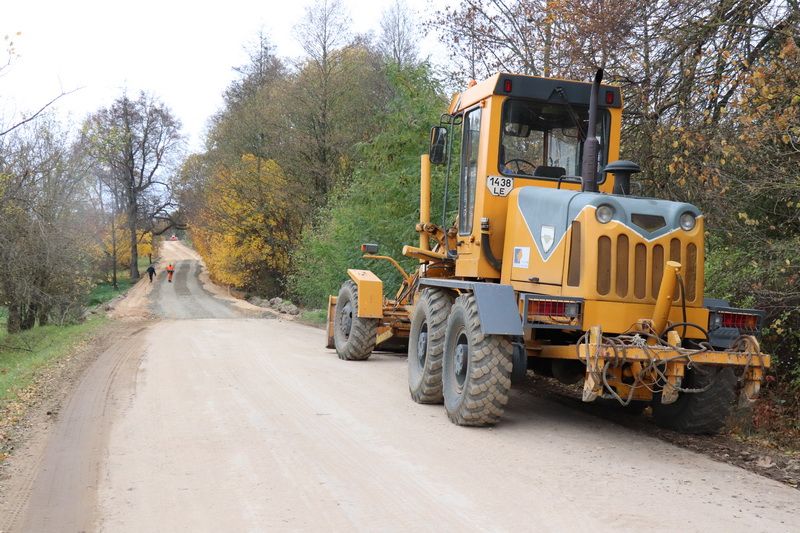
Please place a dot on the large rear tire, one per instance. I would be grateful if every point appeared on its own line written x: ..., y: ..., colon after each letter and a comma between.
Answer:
x: 426, y: 345
x: 702, y: 412
x: 354, y: 337
x: 477, y: 368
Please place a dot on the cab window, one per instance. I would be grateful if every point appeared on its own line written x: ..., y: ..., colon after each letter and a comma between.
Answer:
x: 469, y: 170
x: 545, y: 140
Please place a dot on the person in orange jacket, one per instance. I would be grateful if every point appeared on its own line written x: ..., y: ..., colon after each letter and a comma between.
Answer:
x: 170, y: 271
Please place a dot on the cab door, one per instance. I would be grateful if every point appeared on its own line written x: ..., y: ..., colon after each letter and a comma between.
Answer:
x: 468, y: 182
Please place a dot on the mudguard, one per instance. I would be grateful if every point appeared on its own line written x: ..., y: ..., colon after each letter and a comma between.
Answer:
x: 370, y: 293
x: 497, y: 304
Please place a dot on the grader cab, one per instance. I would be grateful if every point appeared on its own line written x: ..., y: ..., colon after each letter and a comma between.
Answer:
x: 552, y: 265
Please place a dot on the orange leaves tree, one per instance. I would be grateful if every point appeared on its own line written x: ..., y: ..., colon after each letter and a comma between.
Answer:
x: 247, y: 224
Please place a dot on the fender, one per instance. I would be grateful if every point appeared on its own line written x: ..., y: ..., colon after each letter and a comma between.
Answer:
x: 497, y: 304
x: 370, y: 293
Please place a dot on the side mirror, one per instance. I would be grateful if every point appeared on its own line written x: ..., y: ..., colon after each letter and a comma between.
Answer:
x: 438, y: 144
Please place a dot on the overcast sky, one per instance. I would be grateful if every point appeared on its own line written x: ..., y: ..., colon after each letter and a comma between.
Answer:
x: 179, y: 50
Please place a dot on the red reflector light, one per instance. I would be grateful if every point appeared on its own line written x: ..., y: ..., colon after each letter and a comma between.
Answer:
x: 609, y: 97
x: 545, y: 308
x: 507, y: 86
x: 736, y: 320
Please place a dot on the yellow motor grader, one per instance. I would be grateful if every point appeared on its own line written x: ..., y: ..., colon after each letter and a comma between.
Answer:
x: 552, y: 265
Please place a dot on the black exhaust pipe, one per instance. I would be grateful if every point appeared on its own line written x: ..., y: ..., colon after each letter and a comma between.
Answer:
x: 590, y: 145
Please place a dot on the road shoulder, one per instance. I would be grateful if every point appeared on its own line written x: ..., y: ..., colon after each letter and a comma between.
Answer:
x: 44, y: 410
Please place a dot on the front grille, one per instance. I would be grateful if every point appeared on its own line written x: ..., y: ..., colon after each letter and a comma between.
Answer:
x: 638, y: 274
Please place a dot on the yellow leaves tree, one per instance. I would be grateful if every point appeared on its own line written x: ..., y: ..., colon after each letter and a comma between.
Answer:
x: 145, y: 244
x: 247, y: 225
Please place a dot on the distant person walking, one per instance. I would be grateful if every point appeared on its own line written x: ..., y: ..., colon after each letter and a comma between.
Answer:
x: 170, y: 271
x: 151, y: 272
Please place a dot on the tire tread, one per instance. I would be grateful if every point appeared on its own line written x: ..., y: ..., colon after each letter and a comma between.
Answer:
x: 486, y: 391
x: 437, y: 302
x: 363, y: 333
x: 703, y: 412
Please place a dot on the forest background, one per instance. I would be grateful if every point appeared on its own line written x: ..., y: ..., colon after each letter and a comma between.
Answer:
x: 310, y: 157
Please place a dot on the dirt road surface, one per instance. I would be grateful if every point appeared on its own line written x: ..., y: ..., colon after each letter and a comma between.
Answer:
x: 205, y: 419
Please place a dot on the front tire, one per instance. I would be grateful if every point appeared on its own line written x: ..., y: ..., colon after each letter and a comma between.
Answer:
x: 354, y: 337
x: 426, y: 345
x: 701, y: 412
x: 477, y: 368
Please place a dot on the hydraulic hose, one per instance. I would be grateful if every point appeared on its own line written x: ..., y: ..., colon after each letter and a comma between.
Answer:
x: 487, y: 248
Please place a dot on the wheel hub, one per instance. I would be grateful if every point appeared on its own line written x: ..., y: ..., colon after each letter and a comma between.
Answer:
x: 422, y: 346
x: 461, y: 360
x: 346, y: 319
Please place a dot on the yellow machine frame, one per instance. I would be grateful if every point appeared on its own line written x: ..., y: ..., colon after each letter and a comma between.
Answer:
x: 615, y: 300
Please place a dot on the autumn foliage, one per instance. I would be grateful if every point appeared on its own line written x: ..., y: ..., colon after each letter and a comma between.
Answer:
x: 247, y: 225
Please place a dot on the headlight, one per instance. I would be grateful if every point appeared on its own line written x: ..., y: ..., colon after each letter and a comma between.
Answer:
x: 687, y: 221
x: 572, y: 310
x: 604, y: 213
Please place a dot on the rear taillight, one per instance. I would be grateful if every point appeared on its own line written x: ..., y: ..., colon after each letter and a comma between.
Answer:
x: 741, y: 321
x: 744, y: 321
x: 559, y: 312
x: 553, y: 308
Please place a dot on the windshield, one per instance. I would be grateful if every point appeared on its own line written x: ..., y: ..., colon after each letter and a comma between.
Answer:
x: 542, y: 139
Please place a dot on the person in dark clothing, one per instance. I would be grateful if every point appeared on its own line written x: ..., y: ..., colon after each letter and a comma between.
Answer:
x: 151, y: 271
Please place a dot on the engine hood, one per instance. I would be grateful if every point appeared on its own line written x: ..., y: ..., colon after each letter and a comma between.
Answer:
x: 543, y: 208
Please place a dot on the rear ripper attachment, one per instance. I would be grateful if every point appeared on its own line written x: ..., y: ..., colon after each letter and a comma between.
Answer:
x: 650, y: 363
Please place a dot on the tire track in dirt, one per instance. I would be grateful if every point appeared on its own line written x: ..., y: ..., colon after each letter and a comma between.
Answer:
x: 58, y: 491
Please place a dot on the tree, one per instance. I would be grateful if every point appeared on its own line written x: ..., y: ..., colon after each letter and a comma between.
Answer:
x: 138, y: 140
x: 250, y: 122
x: 328, y: 111
x: 398, y: 39
x: 10, y: 54
x: 248, y: 224
x: 263, y: 67
x: 320, y: 86
x: 378, y: 204
x: 43, y: 247
x: 711, y: 114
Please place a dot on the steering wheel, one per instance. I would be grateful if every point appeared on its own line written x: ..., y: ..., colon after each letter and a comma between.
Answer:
x: 517, y: 162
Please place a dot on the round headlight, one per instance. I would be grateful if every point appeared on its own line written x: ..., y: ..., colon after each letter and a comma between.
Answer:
x: 688, y: 221
x: 604, y: 213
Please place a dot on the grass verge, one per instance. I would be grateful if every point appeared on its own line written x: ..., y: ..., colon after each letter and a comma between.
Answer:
x: 314, y: 317
x: 105, y: 291
x: 24, y: 354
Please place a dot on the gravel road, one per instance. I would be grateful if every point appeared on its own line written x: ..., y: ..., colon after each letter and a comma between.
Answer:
x: 208, y: 420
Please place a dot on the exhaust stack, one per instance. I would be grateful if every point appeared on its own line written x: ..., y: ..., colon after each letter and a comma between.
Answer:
x: 590, y: 145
